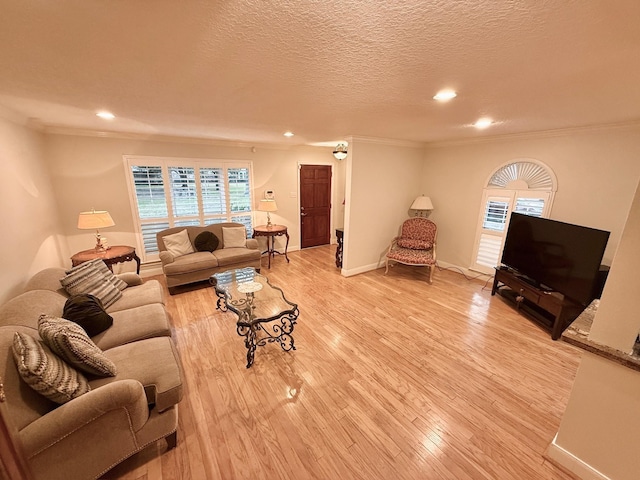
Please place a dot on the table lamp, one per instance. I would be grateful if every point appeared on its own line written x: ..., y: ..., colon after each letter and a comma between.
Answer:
x: 422, y: 206
x: 268, y: 206
x: 95, y: 219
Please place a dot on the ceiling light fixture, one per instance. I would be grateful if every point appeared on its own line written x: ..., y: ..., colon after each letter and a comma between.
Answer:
x: 340, y: 152
x: 288, y: 134
x: 445, y: 95
x: 483, y: 123
x: 106, y: 115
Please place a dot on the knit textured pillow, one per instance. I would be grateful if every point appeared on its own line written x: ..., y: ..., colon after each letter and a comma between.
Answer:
x: 44, y: 372
x: 86, y: 278
x: 71, y: 343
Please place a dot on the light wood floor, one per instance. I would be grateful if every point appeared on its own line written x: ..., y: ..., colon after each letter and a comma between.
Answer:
x: 392, y: 379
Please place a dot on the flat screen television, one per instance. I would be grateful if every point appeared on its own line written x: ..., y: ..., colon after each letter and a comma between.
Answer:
x: 559, y: 256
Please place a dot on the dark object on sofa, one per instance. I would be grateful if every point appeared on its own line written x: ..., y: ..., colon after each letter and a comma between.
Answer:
x: 87, y: 311
x: 206, y: 242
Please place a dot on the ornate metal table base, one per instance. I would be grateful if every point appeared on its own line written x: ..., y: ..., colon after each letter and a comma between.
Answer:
x: 243, y: 299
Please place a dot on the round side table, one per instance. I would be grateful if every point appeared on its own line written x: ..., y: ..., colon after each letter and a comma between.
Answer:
x: 115, y: 254
x: 271, y: 232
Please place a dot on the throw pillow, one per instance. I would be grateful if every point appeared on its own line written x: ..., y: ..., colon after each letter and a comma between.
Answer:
x: 71, y: 343
x: 206, y: 242
x: 234, y: 237
x: 102, y: 267
x: 108, y: 274
x: 44, y: 372
x: 88, y: 312
x: 87, y: 279
x: 178, y: 244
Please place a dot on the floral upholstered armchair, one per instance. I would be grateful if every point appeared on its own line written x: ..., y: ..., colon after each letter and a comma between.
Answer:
x: 415, y: 246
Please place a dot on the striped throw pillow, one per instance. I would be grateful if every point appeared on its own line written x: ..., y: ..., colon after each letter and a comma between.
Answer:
x: 85, y: 278
x: 71, y: 343
x: 108, y: 274
x: 44, y: 372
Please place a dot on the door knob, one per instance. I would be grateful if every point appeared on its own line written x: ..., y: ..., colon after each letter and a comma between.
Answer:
x: 303, y: 214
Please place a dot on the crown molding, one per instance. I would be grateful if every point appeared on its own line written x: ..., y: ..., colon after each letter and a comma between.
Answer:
x: 386, y: 141
x: 60, y: 130
x: 560, y: 132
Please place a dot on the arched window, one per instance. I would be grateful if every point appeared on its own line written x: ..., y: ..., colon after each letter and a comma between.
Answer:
x: 524, y: 186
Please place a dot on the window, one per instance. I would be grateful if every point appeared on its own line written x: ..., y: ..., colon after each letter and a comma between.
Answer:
x: 185, y: 192
x: 524, y: 187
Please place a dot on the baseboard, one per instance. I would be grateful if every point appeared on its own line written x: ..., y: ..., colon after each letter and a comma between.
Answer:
x: 365, y: 268
x: 573, y: 464
x: 465, y: 271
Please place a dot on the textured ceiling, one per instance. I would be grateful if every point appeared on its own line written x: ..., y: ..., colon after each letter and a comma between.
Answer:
x: 250, y: 70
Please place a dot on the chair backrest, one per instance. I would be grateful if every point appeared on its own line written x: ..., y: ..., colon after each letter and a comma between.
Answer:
x: 418, y: 233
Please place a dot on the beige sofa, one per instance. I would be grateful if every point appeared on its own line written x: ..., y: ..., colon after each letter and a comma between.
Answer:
x: 87, y: 436
x: 199, y: 266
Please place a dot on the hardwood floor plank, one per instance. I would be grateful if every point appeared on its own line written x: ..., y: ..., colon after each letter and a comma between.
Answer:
x: 391, y: 378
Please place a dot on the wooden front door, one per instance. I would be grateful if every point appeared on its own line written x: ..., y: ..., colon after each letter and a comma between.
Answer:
x: 315, y: 205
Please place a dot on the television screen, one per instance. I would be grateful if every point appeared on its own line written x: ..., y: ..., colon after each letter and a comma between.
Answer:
x: 557, y: 255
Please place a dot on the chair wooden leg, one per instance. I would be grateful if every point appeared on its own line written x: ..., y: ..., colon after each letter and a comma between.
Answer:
x: 386, y: 270
x: 172, y: 440
x: 431, y: 269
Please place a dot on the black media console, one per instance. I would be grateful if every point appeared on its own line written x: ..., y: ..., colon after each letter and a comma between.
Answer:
x: 551, y: 309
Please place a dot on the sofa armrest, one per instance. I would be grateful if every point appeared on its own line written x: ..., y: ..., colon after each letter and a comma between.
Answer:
x: 252, y: 243
x: 166, y: 258
x: 119, y: 403
x: 130, y: 278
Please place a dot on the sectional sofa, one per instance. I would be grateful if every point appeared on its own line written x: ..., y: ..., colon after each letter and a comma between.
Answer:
x: 120, y: 415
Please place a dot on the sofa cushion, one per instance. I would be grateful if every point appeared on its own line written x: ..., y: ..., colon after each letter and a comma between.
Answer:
x: 155, y: 364
x: 71, y: 343
x: 232, y: 256
x: 45, y: 372
x: 88, y: 312
x: 178, y: 244
x: 27, y: 307
x: 191, y: 263
x: 85, y: 278
x: 206, y: 242
x: 234, y: 237
x: 133, y: 324
x: 146, y: 294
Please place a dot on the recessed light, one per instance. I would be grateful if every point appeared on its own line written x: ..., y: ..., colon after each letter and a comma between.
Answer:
x: 106, y: 115
x: 483, y: 123
x: 445, y: 95
x: 288, y: 134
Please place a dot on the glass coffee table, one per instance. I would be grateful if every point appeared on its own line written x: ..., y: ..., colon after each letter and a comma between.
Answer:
x: 264, y: 314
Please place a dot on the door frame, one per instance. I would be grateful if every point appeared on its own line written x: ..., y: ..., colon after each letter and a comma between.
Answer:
x: 332, y: 232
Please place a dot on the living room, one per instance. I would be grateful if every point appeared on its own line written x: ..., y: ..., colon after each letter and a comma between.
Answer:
x: 54, y: 170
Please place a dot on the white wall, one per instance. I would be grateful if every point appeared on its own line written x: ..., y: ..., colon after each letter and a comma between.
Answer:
x: 599, y: 429
x: 88, y: 172
x: 382, y: 181
x: 31, y: 234
x: 597, y: 171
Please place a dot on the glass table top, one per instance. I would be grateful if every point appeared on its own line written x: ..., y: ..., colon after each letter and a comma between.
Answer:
x: 251, y: 296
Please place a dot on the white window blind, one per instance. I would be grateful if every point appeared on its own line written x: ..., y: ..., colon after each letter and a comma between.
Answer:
x: 185, y: 192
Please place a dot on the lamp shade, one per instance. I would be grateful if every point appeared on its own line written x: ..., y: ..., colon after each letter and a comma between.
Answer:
x: 267, y: 206
x: 422, y: 203
x: 95, y: 220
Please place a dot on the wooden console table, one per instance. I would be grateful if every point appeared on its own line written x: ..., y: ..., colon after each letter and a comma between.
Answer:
x: 115, y: 254
x: 551, y: 309
x: 272, y: 232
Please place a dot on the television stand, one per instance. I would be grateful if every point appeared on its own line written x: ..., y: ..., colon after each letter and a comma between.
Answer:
x: 551, y: 309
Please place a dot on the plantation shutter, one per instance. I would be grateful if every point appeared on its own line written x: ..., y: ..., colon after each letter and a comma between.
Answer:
x: 169, y: 193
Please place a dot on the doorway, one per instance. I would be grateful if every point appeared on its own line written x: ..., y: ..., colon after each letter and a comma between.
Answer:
x: 315, y: 205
